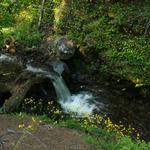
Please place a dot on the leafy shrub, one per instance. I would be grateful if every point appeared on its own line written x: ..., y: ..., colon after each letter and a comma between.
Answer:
x: 19, y: 20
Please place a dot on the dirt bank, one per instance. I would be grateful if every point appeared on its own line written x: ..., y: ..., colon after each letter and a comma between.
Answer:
x: 36, y: 136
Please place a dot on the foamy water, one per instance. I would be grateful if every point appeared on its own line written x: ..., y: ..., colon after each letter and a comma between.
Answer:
x: 79, y: 104
x: 4, y: 57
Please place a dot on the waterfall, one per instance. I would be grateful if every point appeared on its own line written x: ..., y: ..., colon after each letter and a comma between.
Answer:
x: 36, y: 70
x: 77, y: 103
x: 61, y: 89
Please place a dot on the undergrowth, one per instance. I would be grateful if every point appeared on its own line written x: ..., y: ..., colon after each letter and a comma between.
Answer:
x: 18, y: 21
x: 112, y: 34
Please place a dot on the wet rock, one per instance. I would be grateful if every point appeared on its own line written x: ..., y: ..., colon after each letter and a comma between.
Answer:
x: 9, y: 70
x: 18, y: 75
x: 63, y: 48
x: 81, y: 78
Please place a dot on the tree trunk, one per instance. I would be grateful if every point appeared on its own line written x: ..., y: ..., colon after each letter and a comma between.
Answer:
x: 41, y: 13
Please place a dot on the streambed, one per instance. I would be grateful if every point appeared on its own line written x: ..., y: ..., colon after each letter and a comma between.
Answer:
x: 131, y: 111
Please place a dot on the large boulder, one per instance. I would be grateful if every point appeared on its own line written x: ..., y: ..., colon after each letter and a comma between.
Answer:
x: 60, y: 47
x: 64, y: 48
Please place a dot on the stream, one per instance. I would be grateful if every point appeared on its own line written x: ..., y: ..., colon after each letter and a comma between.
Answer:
x: 87, y: 98
x: 134, y: 112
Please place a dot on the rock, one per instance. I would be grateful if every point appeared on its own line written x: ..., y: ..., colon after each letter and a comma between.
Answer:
x: 10, y: 67
x: 64, y: 48
x: 9, y: 45
x: 59, y: 47
x: 18, y: 75
x: 19, y: 72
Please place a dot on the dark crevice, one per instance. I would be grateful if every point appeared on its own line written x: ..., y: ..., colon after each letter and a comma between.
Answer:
x: 37, y: 98
x: 3, y: 96
x: 43, y: 90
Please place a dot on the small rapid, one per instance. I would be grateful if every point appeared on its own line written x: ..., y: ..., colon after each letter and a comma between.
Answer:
x: 76, y: 103
x: 79, y: 104
x: 127, y: 109
x: 4, y: 57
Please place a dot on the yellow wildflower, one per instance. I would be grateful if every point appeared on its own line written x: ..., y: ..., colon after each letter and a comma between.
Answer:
x: 33, y: 119
x: 21, y: 125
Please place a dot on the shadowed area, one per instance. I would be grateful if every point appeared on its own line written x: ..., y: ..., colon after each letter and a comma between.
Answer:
x: 3, y: 96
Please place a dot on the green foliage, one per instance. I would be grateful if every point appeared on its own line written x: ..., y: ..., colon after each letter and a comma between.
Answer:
x: 42, y: 106
x: 18, y: 19
x: 95, y: 124
x: 125, y: 143
x: 130, y: 59
x: 27, y: 35
x: 115, y: 32
x: 1, y: 38
x: 1, y: 110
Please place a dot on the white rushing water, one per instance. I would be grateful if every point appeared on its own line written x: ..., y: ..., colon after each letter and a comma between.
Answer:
x: 4, y: 57
x: 77, y: 103
x: 36, y: 70
x: 62, y: 91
